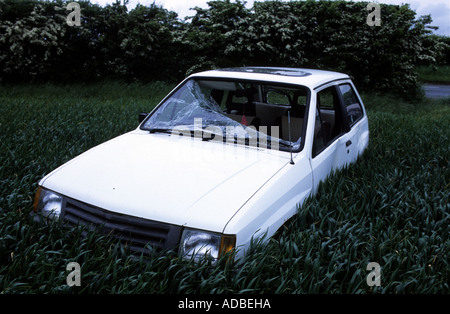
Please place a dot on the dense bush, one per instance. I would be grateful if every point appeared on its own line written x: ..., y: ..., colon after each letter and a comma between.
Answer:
x: 110, y: 43
x: 440, y: 47
x: 319, y: 34
x: 150, y: 42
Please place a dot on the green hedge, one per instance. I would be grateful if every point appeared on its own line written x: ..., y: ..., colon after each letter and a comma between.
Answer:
x: 150, y: 42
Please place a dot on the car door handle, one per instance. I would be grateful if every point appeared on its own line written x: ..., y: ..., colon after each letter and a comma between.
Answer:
x: 348, y: 143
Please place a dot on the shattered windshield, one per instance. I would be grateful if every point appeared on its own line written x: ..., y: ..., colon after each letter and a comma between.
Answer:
x: 237, y: 112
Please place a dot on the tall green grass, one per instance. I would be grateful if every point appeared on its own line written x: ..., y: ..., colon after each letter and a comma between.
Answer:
x: 391, y: 207
x: 434, y: 74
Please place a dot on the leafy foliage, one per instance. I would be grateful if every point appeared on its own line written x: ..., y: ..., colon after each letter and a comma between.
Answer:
x: 151, y: 42
x: 318, y: 34
x: 30, y: 44
x: 111, y: 42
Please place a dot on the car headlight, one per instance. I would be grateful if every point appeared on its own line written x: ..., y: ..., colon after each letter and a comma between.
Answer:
x: 47, y: 203
x: 198, y: 244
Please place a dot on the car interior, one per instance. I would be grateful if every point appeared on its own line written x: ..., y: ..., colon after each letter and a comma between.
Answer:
x: 263, y: 107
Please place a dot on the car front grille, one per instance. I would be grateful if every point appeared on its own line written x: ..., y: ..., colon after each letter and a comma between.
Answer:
x: 138, y: 234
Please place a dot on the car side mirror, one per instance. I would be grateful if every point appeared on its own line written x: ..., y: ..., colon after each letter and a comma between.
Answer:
x: 142, y: 116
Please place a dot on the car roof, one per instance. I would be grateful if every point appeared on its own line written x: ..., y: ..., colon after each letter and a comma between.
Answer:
x: 307, y: 77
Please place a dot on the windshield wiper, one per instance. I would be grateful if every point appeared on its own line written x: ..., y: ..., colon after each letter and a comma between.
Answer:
x: 285, y: 143
x: 160, y: 130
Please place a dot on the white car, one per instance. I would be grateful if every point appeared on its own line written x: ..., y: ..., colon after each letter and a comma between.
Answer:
x: 229, y: 155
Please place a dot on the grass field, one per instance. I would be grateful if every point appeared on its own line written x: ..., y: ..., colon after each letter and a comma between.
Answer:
x: 391, y: 207
x: 434, y: 74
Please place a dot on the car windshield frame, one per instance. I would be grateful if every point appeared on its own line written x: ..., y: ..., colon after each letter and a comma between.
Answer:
x: 215, y: 119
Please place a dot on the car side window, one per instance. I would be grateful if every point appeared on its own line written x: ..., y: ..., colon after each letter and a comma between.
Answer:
x: 278, y: 96
x: 329, y: 123
x: 351, y: 103
x: 318, y: 141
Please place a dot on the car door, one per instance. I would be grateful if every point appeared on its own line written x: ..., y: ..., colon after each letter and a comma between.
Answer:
x: 352, y: 114
x: 332, y: 141
x: 324, y: 146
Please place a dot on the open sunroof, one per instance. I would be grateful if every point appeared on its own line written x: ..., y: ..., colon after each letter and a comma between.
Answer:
x: 269, y: 70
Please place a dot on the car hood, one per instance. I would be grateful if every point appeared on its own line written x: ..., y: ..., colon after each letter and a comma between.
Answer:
x: 166, y: 178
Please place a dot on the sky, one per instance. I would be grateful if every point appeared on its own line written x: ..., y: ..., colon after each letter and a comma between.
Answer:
x: 439, y: 9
